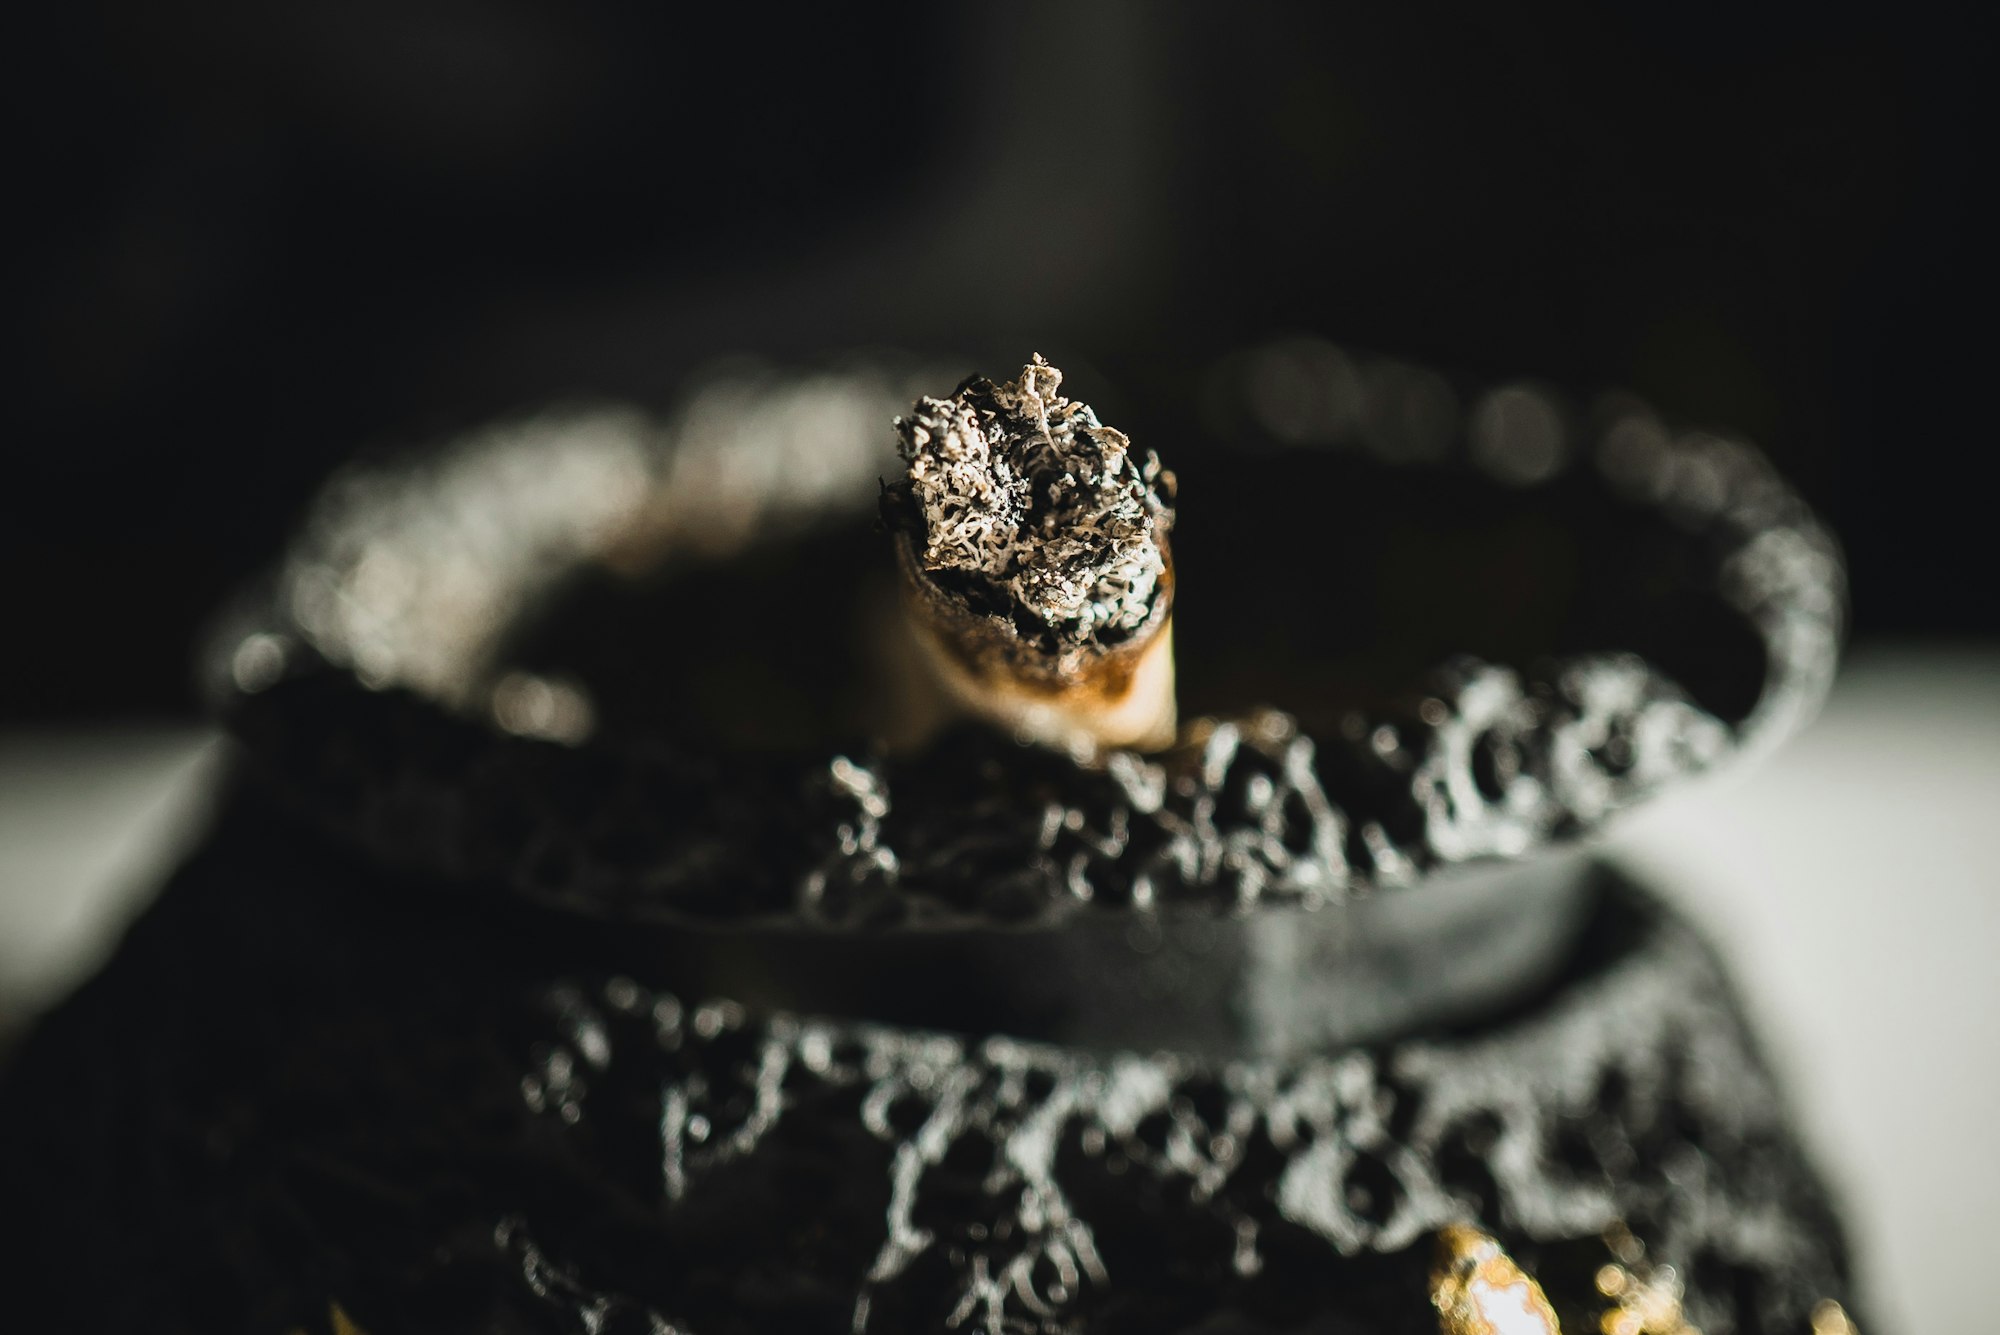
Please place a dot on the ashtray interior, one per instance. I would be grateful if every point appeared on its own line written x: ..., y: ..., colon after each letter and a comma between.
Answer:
x: 1316, y: 582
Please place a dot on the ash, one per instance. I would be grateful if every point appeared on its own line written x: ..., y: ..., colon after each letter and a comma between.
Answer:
x: 1032, y: 506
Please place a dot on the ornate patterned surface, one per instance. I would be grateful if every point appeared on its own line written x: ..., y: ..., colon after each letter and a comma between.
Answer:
x: 299, y: 1091
x: 1030, y: 1189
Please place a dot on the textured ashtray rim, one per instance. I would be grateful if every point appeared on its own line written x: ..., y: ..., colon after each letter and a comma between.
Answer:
x: 975, y: 831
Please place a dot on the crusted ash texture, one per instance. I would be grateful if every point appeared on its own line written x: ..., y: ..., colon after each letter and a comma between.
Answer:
x: 1033, y: 510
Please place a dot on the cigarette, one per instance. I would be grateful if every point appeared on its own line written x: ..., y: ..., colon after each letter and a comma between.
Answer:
x: 1036, y: 575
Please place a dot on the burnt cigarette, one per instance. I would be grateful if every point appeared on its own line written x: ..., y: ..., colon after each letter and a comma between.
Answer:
x: 1037, y: 579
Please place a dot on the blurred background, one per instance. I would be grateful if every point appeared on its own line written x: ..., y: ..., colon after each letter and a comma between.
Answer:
x: 252, y: 239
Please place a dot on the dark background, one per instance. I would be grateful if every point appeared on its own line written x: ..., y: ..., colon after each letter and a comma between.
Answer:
x: 252, y: 239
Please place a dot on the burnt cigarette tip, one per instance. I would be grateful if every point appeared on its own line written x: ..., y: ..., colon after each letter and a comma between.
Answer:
x: 1033, y: 539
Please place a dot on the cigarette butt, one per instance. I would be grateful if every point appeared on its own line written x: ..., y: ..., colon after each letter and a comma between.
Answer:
x: 1037, y: 577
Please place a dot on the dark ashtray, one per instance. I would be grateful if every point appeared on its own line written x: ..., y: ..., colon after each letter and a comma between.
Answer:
x: 604, y: 934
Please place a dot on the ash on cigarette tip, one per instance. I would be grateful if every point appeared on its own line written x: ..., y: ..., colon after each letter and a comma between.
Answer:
x: 1034, y: 510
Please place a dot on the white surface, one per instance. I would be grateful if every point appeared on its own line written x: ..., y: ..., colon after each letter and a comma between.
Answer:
x: 1850, y: 879
x: 89, y: 821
